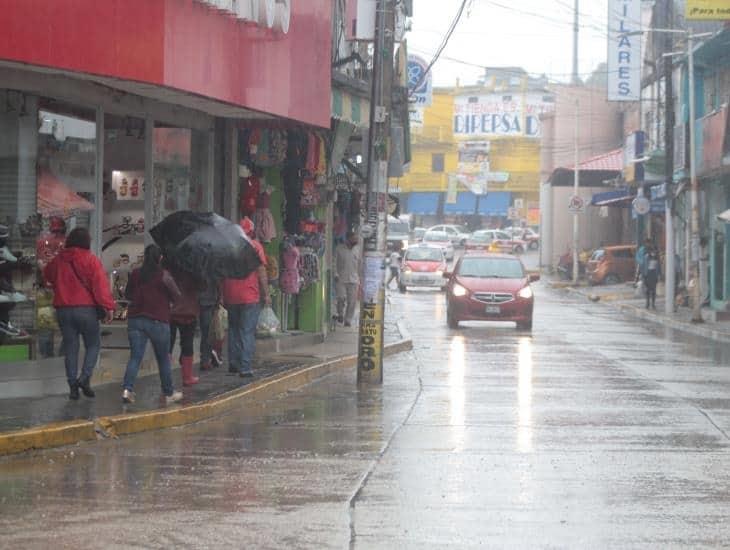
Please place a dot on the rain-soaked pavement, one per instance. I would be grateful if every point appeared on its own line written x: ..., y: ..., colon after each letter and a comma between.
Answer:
x: 595, y: 431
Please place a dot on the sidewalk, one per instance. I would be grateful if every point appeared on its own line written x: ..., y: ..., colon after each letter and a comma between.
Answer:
x: 623, y: 298
x: 217, y: 391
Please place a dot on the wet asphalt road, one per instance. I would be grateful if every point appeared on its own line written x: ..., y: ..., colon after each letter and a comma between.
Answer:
x: 593, y: 432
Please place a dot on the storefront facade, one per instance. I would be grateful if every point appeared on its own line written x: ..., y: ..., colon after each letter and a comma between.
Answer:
x: 117, y: 127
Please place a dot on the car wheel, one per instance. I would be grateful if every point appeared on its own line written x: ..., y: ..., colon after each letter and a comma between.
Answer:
x: 527, y: 325
x: 612, y: 279
x: 519, y: 249
x: 443, y: 288
x: 451, y: 321
x: 534, y: 245
x: 402, y: 288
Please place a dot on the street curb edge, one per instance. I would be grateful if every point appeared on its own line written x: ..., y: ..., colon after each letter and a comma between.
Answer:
x: 67, y: 433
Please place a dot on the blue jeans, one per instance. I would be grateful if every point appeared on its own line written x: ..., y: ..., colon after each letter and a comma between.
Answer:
x: 242, y: 321
x: 75, y: 322
x: 206, y: 317
x: 140, y: 330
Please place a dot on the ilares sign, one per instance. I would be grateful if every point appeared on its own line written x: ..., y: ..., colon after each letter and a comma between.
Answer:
x: 624, y: 50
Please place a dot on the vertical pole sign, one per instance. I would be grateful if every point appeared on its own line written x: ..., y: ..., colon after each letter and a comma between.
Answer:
x: 624, y: 50
x: 370, y: 340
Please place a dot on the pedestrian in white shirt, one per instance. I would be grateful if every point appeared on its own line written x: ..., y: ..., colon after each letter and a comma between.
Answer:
x: 347, y: 277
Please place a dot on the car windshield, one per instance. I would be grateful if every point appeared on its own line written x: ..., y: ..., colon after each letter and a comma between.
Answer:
x: 461, y: 229
x: 491, y: 268
x: 597, y: 255
x: 481, y: 237
x: 436, y: 236
x: 424, y: 255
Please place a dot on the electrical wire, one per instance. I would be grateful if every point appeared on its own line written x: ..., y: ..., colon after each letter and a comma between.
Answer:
x: 441, y: 47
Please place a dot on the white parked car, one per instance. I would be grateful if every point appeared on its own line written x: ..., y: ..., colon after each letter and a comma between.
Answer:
x: 442, y: 240
x: 458, y: 234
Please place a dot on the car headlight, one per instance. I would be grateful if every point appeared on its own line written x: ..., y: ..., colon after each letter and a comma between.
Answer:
x: 404, y: 244
x: 406, y: 269
x: 439, y: 273
x: 458, y: 290
x: 525, y: 293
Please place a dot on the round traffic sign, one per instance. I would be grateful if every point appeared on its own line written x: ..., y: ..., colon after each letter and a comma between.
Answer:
x: 576, y: 204
x: 641, y: 205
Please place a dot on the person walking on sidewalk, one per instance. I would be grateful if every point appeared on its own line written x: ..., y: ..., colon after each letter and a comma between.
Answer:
x: 81, y: 295
x: 151, y: 291
x: 242, y: 298
x: 394, y: 264
x: 347, y: 277
x: 208, y: 301
x: 183, y: 320
x: 652, y: 273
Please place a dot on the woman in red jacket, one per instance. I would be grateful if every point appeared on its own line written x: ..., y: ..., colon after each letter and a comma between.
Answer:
x: 80, y: 289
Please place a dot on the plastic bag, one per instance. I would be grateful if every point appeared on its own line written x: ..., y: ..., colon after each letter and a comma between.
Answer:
x: 218, y: 325
x: 639, y: 289
x: 268, y: 322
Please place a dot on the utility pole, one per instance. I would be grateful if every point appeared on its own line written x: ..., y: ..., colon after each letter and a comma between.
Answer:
x: 576, y: 29
x: 372, y: 310
x: 669, y: 278
x: 694, y: 189
x: 576, y: 184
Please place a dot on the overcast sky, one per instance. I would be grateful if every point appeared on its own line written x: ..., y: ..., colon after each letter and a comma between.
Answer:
x: 533, y: 34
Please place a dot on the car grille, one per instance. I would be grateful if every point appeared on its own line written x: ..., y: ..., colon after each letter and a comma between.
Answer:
x: 493, y: 297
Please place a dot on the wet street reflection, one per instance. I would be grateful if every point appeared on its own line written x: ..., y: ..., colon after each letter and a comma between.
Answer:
x: 592, y: 431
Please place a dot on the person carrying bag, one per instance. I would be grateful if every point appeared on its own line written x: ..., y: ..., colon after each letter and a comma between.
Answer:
x: 82, y: 299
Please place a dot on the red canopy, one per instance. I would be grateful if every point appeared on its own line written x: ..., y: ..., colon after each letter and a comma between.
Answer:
x: 55, y: 198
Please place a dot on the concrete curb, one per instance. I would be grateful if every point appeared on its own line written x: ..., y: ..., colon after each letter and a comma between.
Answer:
x: 698, y: 330
x: 67, y: 433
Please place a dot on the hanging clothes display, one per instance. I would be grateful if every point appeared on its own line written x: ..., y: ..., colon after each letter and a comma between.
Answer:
x: 263, y: 220
x: 289, y: 280
x: 250, y: 188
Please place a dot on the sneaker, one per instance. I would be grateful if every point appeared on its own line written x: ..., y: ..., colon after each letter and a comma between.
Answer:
x: 9, y: 329
x: 174, y: 398
x: 217, y: 361
x: 5, y: 297
x: 246, y: 374
x: 128, y: 396
x: 18, y: 297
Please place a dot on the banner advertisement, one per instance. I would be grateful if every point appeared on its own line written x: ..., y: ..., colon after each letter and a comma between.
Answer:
x: 420, y: 95
x: 499, y: 114
x: 707, y: 10
x: 370, y: 343
x: 624, y: 50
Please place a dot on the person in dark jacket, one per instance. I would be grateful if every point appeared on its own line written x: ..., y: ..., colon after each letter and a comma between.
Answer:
x: 183, y: 318
x: 151, y: 291
x: 209, y: 299
x: 80, y: 291
x: 652, y: 272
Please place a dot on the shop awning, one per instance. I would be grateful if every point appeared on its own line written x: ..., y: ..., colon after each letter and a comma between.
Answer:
x: 495, y: 203
x: 423, y: 204
x: 350, y: 108
x: 617, y: 197
x: 55, y: 198
x: 466, y: 203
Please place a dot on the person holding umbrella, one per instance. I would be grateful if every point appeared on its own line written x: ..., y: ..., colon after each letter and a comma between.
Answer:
x: 183, y: 319
x: 151, y: 291
x: 242, y: 298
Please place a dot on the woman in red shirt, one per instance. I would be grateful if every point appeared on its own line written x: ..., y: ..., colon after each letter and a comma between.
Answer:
x: 80, y: 286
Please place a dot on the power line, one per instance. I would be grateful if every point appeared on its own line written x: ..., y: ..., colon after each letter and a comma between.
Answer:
x: 441, y: 48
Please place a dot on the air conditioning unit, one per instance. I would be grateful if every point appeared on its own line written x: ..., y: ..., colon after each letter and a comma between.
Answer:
x: 266, y: 12
x: 247, y: 10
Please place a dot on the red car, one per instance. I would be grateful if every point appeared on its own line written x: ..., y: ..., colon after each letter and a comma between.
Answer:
x: 489, y: 287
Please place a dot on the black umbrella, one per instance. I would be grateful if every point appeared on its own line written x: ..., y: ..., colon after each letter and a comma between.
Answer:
x: 206, y: 245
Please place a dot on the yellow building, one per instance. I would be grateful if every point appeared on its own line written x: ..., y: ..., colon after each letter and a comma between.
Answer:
x: 476, y: 151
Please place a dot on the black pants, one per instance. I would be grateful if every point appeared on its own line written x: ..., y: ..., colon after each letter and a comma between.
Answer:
x: 187, y: 336
x: 650, y: 282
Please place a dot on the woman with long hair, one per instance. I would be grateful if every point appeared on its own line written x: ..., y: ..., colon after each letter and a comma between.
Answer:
x: 82, y: 298
x: 151, y: 291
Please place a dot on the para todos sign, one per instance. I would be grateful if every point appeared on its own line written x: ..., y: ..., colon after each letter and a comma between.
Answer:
x: 492, y: 115
x: 624, y: 50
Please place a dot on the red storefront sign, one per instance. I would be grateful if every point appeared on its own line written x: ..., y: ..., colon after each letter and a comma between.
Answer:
x: 713, y: 136
x: 184, y: 45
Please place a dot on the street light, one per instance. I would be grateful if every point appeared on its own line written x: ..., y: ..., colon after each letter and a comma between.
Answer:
x: 694, y: 187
